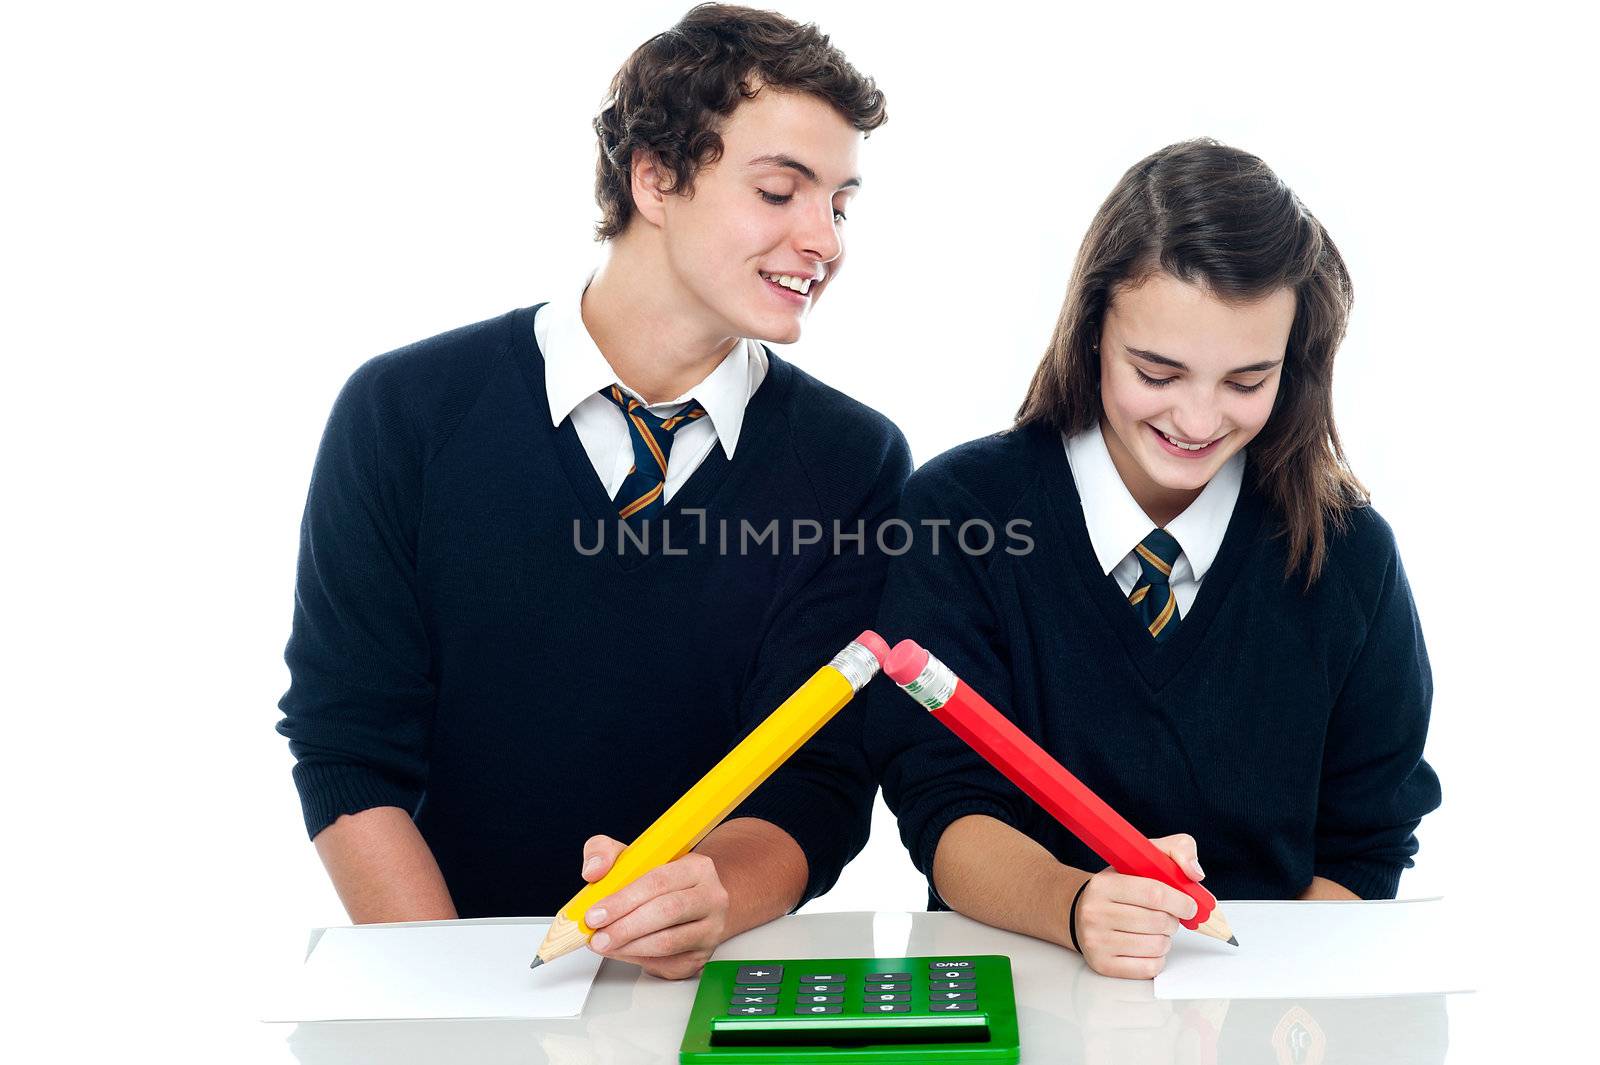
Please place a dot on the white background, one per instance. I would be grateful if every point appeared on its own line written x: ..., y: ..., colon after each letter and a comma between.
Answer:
x: 215, y: 212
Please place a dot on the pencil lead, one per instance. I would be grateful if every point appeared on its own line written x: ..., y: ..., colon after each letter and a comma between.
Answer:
x: 1233, y: 941
x: 537, y: 961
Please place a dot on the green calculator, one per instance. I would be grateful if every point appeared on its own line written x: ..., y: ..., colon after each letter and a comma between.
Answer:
x: 854, y: 1011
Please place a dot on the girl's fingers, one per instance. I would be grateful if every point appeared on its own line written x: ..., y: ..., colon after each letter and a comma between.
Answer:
x: 1146, y: 893
x: 1182, y: 849
x: 1130, y: 945
x: 1131, y: 968
x: 1140, y: 921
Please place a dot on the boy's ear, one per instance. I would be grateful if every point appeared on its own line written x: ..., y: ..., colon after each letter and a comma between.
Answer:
x: 651, y: 186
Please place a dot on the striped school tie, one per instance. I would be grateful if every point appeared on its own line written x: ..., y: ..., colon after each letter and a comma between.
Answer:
x: 1152, y: 597
x: 640, y: 496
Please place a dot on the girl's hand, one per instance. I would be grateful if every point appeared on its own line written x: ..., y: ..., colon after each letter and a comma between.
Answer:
x: 1125, y: 923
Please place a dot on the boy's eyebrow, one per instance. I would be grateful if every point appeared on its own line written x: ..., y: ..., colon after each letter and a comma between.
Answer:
x: 1163, y: 360
x: 796, y: 165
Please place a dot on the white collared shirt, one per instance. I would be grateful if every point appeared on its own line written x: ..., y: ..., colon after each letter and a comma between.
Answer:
x: 1117, y: 523
x: 575, y: 372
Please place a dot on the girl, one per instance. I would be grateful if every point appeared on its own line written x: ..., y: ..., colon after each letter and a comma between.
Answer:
x: 1204, y: 619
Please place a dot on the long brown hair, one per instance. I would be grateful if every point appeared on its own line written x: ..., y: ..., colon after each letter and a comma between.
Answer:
x: 1213, y: 215
x: 671, y: 96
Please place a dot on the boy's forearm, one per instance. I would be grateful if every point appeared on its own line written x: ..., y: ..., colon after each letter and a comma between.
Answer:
x: 989, y: 871
x: 382, y: 868
x: 761, y: 867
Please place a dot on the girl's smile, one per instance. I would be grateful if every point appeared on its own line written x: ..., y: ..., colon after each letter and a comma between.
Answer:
x: 1187, y: 379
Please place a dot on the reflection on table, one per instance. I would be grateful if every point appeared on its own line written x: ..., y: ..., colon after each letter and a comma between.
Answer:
x: 1067, y: 1013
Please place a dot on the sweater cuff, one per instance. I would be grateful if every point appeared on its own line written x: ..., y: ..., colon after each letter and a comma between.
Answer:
x: 1370, y: 880
x: 328, y: 791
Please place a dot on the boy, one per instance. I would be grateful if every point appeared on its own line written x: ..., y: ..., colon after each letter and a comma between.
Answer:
x: 554, y: 565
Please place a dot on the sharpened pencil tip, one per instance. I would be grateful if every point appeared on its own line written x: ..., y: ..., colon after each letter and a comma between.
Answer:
x: 1233, y: 941
x: 537, y: 961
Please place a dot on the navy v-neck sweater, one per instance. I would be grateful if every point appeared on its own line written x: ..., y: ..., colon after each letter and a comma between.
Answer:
x: 461, y: 651
x: 1283, y: 729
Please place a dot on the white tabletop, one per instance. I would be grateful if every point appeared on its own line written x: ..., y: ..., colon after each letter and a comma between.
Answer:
x: 1066, y: 1013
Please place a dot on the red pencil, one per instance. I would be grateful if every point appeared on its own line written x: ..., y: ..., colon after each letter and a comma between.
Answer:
x: 1030, y: 767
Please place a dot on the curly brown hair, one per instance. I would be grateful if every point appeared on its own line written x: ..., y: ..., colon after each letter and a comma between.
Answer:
x: 1217, y: 216
x: 672, y: 94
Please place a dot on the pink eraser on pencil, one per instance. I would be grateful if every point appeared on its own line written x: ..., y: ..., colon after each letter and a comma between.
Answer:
x: 905, y: 662
x: 874, y: 643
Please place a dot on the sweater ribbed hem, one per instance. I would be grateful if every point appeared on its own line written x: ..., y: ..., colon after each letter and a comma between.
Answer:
x: 1370, y: 880
x: 327, y: 792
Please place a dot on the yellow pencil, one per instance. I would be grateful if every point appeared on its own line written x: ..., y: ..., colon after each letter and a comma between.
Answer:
x: 725, y: 786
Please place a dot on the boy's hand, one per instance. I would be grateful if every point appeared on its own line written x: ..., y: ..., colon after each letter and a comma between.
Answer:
x: 668, y: 921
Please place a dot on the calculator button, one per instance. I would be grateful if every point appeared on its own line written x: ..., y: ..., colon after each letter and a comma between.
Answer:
x: 832, y: 1007
x: 759, y: 974
x: 821, y: 989
x: 811, y: 1000
x: 890, y: 987
x: 952, y: 985
x: 755, y: 1000
x: 752, y: 1011
x: 948, y: 964
x: 888, y: 976
x: 887, y: 1007
x: 824, y: 978
x: 952, y: 1007
x: 897, y: 996
x: 756, y: 989
x: 952, y: 996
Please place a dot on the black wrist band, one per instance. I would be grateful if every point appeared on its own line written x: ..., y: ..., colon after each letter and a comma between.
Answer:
x: 1072, y: 916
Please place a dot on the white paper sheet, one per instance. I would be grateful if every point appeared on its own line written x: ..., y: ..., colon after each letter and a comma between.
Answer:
x: 1321, y: 950
x: 441, y: 970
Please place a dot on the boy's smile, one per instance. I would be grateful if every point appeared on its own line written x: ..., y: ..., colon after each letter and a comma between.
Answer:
x: 761, y: 235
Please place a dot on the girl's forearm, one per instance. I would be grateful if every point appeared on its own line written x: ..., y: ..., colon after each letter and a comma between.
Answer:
x: 992, y: 873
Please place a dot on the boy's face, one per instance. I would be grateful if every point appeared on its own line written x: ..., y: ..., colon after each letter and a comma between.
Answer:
x: 772, y: 207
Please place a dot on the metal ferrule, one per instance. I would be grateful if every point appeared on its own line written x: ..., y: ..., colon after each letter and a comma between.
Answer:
x: 934, y: 685
x: 858, y: 665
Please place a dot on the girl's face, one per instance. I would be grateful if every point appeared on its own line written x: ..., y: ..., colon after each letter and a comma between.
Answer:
x: 1186, y: 381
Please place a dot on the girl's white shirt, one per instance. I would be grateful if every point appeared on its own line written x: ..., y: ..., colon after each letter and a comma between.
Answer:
x: 1117, y: 523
